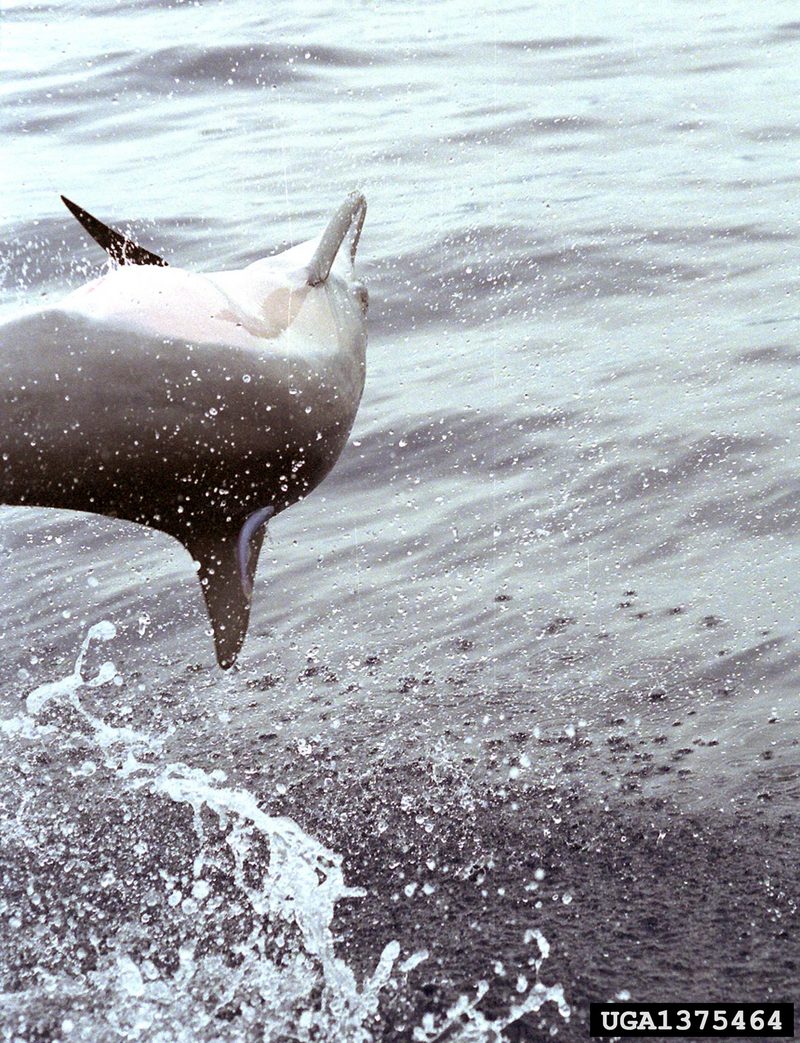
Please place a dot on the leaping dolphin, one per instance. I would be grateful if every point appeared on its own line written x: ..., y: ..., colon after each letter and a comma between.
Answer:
x: 198, y: 404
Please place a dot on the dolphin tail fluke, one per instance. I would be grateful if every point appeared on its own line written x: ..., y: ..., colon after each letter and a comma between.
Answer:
x: 227, y: 596
x: 348, y: 220
x: 118, y: 247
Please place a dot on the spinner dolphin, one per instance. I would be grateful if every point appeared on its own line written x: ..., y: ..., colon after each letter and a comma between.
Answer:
x: 198, y: 404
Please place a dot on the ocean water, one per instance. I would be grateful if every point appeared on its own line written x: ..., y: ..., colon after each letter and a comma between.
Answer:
x: 559, y: 556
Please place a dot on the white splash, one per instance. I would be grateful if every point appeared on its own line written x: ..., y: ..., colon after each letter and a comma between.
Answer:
x: 311, y: 993
x: 285, y: 980
x: 464, y: 1023
x: 302, y: 885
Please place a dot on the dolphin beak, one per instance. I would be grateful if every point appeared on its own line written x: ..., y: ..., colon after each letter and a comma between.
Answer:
x: 348, y: 220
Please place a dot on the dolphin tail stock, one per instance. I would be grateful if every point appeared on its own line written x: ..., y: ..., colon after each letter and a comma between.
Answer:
x: 118, y: 247
x: 348, y: 219
x: 227, y: 567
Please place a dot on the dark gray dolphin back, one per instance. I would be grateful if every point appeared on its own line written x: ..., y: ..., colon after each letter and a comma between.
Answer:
x: 189, y: 439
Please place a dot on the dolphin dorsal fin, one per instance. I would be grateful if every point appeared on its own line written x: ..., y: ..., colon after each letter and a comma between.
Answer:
x: 349, y: 218
x: 118, y: 247
x: 226, y: 591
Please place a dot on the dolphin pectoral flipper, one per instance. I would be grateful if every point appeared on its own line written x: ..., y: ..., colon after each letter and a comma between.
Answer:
x: 116, y: 245
x: 226, y: 594
x: 348, y: 220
